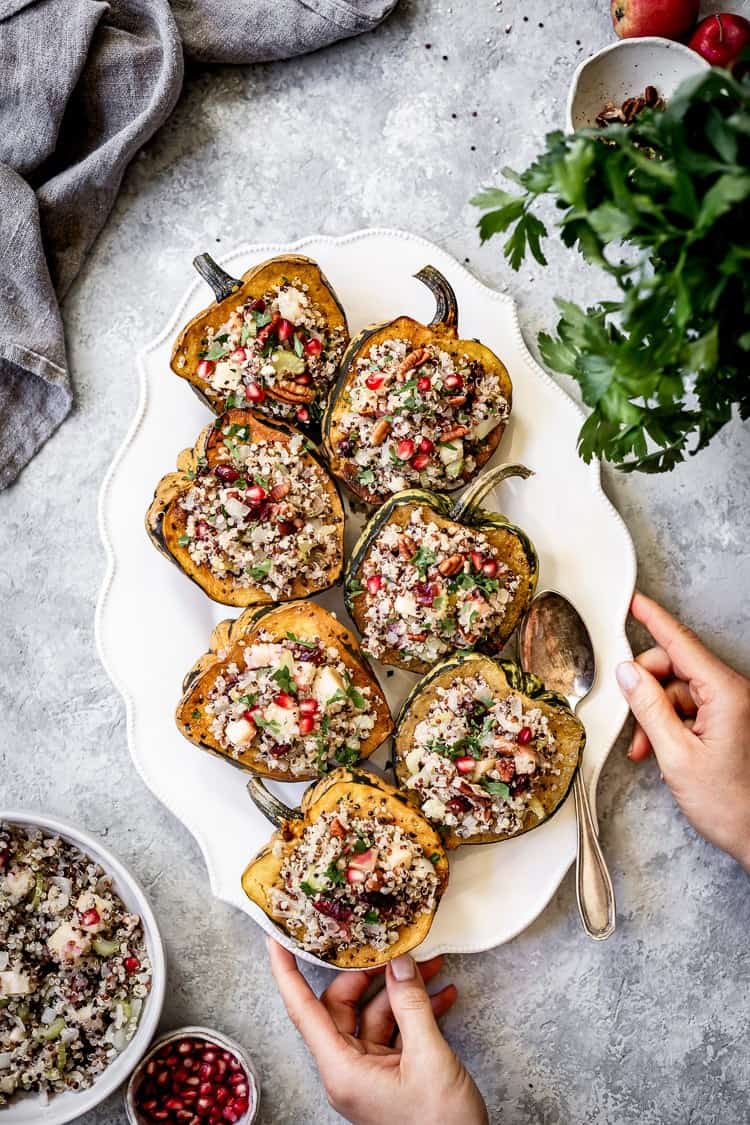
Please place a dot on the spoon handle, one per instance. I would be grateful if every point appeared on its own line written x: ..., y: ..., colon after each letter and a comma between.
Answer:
x: 596, y: 896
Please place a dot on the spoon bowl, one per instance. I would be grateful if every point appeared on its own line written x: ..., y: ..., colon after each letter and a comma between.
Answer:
x: 555, y: 645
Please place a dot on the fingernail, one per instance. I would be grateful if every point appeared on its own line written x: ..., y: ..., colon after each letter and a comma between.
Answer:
x: 627, y: 675
x: 403, y: 967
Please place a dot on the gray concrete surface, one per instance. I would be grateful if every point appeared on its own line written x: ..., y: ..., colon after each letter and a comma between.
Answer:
x: 650, y: 1028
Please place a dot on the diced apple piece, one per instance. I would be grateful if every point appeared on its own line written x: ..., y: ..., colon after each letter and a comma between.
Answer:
x: 486, y: 426
x: 284, y: 720
x: 67, y: 943
x: 263, y: 655
x: 452, y: 451
x: 326, y: 684
x: 239, y: 732
x: 14, y: 983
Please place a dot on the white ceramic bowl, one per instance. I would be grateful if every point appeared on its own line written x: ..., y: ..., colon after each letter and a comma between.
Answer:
x: 26, y: 1109
x: 623, y: 70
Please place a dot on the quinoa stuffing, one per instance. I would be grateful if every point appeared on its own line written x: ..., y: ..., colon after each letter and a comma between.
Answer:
x: 352, y: 881
x: 417, y: 417
x: 74, y: 971
x: 294, y: 701
x: 432, y: 589
x: 276, y: 351
x: 263, y: 515
x: 474, y: 758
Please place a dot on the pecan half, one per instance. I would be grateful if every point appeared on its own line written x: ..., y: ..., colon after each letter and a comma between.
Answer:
x: 454, y: 433
x: 412, y: 360
x: 450, y: 566
x: 456, y: 400
x: 380, y: 431
x: 406, y: 547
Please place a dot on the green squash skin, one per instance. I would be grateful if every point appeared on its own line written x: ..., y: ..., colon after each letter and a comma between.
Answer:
x: 477, y: 517
x: 523, y: 682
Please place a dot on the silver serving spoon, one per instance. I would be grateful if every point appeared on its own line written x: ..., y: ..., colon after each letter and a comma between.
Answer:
x: 555, y: 645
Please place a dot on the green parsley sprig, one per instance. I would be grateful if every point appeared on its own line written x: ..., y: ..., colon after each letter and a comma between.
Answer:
x: 663, y: 206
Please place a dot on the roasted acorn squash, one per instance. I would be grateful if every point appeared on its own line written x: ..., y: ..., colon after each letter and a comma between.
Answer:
x: 298, y: 627
x: 542, y: 792
x: 371, y: 799
x: 215, y: 464
x: 415, y: 406
x: 432, y: 614
x: 222, y: 350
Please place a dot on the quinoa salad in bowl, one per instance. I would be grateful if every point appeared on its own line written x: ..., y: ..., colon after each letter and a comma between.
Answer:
x: 81, y: 971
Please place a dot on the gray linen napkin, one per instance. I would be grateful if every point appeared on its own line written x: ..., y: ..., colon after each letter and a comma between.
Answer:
x: 83, y: 84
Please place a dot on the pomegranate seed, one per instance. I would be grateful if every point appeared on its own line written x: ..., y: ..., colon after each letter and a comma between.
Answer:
x: 214, y: 1116
x: 180, y: 1075
x: 256, y: 493
x: 452, y: 382
x: 284, y: 329
x: 131, y: 965
x: 477, y: 560
x: 354, y: 875
x: 221, y: 1066
x: 306, y: 724
x: 206, y: 368
x: 254, y: 393
x: 524, y: 735
x: 405, y: 450
x: 313, y: 347
x: 206, y: 1070
x: 189, y: 1064
x: 227, y: 473
x: 206, y: 1089
x: 420, y: 461
x: 235, y: 1064
x: 202, y: 530
x: 308, y: 706
x: 303, y: 379
x: 174, y: 1103
x: 242, y: 1105
x: 185, y: 1047
x: 458, y: 804
x: 374, y: 582
x: 249, y: 716
x: 184, y: 1115
x: 489, y: 569
x: 285, y: 527
x: 239, y: 355
x: 237, y: 1079
x: 303, y: 414
x: 90, y: 917
x: 374, y: 382
x: 280, y: 749
x: 210, y: 1055
x: 424, y: 382
x: 465, y: 764
x: 162, y: 1078
x: 160, y: 1115
x: 283, y: 699
x: 230, y: 1114
x: 193, y: 1082
x: 222, y: 1095
x: 151, y: 1068
x: 149, y: 1104
x: 258, y: 305
x: 426, y: 446
x: 203, y: 1107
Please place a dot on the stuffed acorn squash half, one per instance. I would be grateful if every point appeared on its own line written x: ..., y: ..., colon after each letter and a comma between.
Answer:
x: 272, y: 340
x: 484, y: 751
x: 251, y: 515
x: 284, y: 692
x: 429, y: 576
x: 355, y: 875
x: 415, y: 406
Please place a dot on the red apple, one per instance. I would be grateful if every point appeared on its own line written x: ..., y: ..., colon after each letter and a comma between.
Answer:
x: 673, y: 19
x: 721, y: 38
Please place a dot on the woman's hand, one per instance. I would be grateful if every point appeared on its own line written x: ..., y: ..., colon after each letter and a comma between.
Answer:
x: 385, y: 1060
x: 694, y: 712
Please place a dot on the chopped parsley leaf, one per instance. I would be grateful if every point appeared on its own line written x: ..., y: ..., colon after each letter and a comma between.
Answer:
x: 283, y: 678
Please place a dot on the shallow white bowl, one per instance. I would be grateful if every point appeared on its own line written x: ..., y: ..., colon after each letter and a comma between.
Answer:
x: 26, y: 1109
x: 623, y: 70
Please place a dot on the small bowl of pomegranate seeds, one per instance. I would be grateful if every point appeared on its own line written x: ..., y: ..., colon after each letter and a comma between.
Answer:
x: 194, y: 1076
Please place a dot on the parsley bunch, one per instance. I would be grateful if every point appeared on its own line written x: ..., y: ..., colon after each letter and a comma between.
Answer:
x: 663, y: 205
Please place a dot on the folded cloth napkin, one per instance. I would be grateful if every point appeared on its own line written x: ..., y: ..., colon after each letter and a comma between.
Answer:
x: 83, y: 84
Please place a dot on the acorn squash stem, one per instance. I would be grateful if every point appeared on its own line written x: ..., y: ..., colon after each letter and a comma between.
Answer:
x: 222, y: 283
x: 467, y: 504
x: 446, y: 313
x: 271, y: 807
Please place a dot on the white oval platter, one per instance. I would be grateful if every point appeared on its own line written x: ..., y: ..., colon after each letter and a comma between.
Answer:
x: 152, y: 622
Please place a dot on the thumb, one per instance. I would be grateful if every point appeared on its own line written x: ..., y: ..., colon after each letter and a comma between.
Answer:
x: 653, y: 710
x: 411, y: 1006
